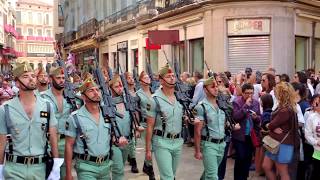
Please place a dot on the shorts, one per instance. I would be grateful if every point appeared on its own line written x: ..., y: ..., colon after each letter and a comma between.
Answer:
x: 284, y: 156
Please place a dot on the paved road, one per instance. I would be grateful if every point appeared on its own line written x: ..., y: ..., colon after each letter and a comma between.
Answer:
x: 189, y: 168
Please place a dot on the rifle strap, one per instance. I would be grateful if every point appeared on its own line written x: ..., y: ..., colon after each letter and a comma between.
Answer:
x: 82, y: 135
x: 158, y: 111
x: 205, y: 119
x: 8, y: 121
x: 47, y: 129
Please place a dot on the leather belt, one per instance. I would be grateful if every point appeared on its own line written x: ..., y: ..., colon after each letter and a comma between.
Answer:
x: 213, y: 140
x: 95, y: 159
x: 62, y: 136
x: 168, y: 135
x: 26, y: 159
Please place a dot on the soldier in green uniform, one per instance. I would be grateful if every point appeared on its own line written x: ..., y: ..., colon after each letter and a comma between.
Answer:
x: 209, y: 131
x: 144, y: 95
x: 61, y: 107
x: 132, y: 145
x: 26, y: 118
x: 88, y: 137
x: 164, y: 125
x: 120, y: 153
x: 42, y: 80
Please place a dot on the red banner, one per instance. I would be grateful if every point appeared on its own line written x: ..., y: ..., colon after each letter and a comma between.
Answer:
x: 150, y: 46
x: 162, y: 37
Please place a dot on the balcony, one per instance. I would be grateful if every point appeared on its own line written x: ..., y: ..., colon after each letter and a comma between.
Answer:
x: 10, y: 52
x: 36, y: 38
x: 169, y: 5
x: 129, y: 16
x: 69, y: 37
x: 88, y: 28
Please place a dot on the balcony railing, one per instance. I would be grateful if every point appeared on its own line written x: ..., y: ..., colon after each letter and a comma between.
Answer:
x: 88, y: 28
x: 168, y: 5
x: 35, y: 38
x: 139, y: 11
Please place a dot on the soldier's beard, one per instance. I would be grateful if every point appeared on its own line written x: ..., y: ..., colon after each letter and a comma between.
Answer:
x: 57, y: 86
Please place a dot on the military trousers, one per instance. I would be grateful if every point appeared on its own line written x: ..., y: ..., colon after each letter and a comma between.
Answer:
x: 167, y: 153
x: 87, y: 170
x: 119, y: 158
x: 17, y: 171
x: 132, y: 148
x: 212, y: 155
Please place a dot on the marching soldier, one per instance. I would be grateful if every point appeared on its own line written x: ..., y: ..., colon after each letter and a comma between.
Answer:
x: 120, y: 153
x: 88, y: 137
x: 164, y: 125
x: 61, y: 108
x: 144, y: 95
x: 42, y: 80
x: 209, y: 131
x: 132, y: 145
x: 27, y: 118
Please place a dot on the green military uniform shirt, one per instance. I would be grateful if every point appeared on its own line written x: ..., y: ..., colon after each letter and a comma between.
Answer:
x: 61, y: 117
x: 144, y: 101
x: 28, y: 135
x: 123, y: 123
x: 98, y: 135
x: 171, y: 112
x: 215, y: 118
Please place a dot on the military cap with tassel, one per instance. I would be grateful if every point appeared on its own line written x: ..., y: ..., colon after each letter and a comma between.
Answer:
x: 209, y: 81
x: 21, y: 68
x: 87, y: 84
x: 165, y: 70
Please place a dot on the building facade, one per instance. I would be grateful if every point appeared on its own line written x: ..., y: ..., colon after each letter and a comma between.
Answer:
x: 35, y: 29
x: 8, y: 34
x: 228, y: 35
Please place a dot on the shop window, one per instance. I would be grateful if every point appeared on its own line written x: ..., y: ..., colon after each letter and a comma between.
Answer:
x: 179, y: 55
x: 301, y: 53
x: 196, y: 55
x: 317, y: 54
x: 153, y: 59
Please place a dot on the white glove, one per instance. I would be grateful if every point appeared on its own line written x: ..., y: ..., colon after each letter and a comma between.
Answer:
x: 55, y: 173
x: 1, y: 172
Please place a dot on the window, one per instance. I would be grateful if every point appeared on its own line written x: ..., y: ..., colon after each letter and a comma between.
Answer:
x: 30, y: 17
x: 301, y: 53
x: 196, y: 55
x: 30, y: 32
x: 39, y: 18
x: 46, y: 21
x: 19, y: 31
x: 18, y: 14
x: 48, y: 33
x: 39, y: 32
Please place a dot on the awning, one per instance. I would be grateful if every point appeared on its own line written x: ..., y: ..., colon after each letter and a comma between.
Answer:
x: 83, y: 45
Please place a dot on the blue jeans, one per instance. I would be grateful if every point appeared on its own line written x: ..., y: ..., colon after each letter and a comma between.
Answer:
x: 223, y: 164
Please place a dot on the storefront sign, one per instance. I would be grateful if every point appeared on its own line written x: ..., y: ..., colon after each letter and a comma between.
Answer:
x: 248, y: 27
x: 122, y: 46
x: 88, y: 58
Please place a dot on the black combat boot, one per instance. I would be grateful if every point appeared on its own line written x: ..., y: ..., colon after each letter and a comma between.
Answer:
x: 134, y: 168
x: 149, y: 171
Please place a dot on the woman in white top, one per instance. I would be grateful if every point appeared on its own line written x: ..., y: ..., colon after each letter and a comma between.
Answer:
x: 312, y: 134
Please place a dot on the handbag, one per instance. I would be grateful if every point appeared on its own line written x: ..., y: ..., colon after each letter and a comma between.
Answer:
x: 254, y: 138
x: 272, y: 145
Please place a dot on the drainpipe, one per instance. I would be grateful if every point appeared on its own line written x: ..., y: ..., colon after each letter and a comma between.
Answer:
x: 186, y: 47
x: 313, y: 46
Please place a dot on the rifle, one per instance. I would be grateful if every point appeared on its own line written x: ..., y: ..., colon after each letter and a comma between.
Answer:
x: 181, y: 91
x: 136, y: 79
x: 210, y: 73
x: 68, y: 91
x: 227, y: 108
x: 154, y: 85
x: 108, y: 108
x: 130, y: 103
